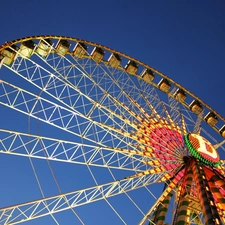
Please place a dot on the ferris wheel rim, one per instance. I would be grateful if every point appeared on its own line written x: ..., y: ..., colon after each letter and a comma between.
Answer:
x: 177, y: 85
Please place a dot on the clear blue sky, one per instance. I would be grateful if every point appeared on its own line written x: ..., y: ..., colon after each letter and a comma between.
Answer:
x: 183, y: 39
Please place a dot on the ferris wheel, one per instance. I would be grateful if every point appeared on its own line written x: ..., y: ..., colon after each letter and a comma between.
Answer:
x: 103, y: 138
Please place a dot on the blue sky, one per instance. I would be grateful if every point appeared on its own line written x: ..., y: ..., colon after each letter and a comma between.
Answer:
x: 183, y: 39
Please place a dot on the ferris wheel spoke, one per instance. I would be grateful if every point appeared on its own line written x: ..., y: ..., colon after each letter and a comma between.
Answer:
x: 55, y: 82
x: 197, y: 126
x: 150, y: 95
x: 57, y: 116
x: 39, y: 208
x: 187, y: 119
x: 174, y: 107
x: 28, y: 145
x: 64, y: 87
x: 169, y: 189
x: 176, y: 131
x: 49, y: 112
x: 121, y: 85
x: 146, y: 126
x: 153, y: 151
x: 183, y: 124
x: 159, y: 118
x: 101, y: 79
x: 37, y: 107
x: 53, y: 114
x: 164, y: 171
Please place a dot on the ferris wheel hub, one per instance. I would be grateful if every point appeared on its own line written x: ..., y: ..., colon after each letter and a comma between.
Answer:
x: 186, y: 159
x: 202, y: 149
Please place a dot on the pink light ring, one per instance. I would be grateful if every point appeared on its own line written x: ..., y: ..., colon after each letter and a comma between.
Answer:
x: 171, y: 166
x: 167, y: 134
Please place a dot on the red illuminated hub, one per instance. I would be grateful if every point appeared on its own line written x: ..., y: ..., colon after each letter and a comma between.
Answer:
x: 202, y: 149
x: 166, y: 140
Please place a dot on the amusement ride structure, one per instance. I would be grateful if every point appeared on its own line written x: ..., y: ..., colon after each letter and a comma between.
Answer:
x: 99, y: 109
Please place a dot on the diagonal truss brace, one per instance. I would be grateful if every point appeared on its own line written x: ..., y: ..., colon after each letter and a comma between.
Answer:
x: 29, y: 145
x: 39, y: 208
